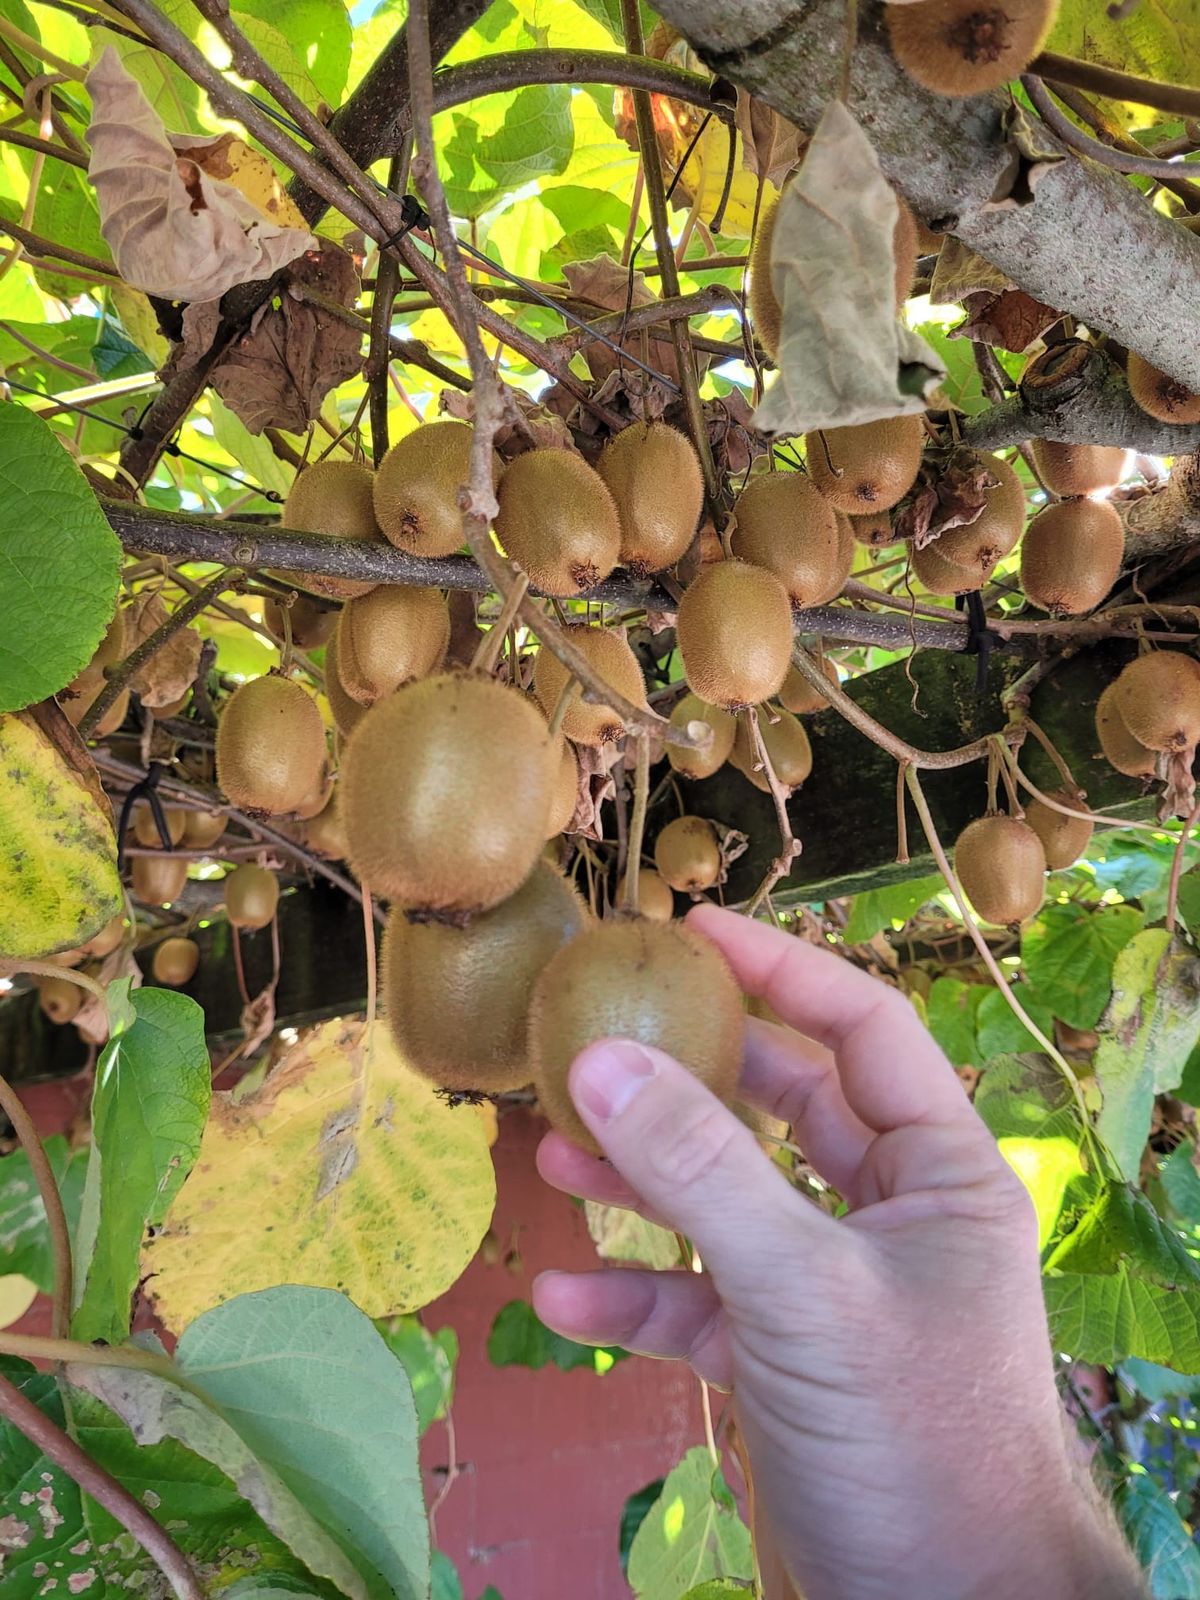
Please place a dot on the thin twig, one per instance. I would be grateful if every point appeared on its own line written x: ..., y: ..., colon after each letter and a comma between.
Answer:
x: 1119, y: 160
x: 902, y: 855
x: 789, y: 845
x: 637, y: 825
x: 56, y: 1217
x: 487, y: 652
x: 1179, y: 99
x: 49, y: 969
x: 1177, y: 866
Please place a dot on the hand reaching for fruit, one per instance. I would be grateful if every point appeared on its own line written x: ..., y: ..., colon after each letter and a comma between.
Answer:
x: 891, y: 1369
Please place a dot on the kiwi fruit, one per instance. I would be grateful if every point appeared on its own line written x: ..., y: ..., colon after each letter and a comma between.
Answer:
x: 175, y: 962
x: 564, y: 789
x: 106, y: 941
x: 654, y: 477
x: 866, y: 467
x: 847, y: 549
x: 312, y: 623
x: 1158, y: 698
x: 445, y: 791
x: 317, y: 797
x: 1068, y: 469
x: 905, y: 250
x: 389, y: 636
x: 874, y: 530
x: 347, y: 713
x: 799, y: 696
x: 202, y: 828
x: 966, y: 47
x: 145, y: 828
x: 1161, y: 397
x: 1064, y: 839
x: 940, y: 576
x: 686, y: 759
x: 734, y: 631
x: 787, y: 746
x: 1001, y: 865
x: 270, y: 746
x: 157, y: 880
x: 1121, y: 750
x: 1071, y: 555
x: 558, y: 519
x: 687, y: 854
x: 654, y: 982
x: 325, y: 832
x: 416, y: 488
x: 977, y: 546
x: 59, y: 998
x: 86, y: 690
x: 655, y: 901
x: 786, y: 525
x: 334, y: 498
x: 609, y: 656
x: 251, y: 896
x: 457, y: 999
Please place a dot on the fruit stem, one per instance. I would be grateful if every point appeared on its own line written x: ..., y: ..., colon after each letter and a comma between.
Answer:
x: 56, y: 1218
x: 1177, y: 867
x: 789, y: 846
x: 570, y: 693
x: 1024, y: 720
x: 637, y: 823
x: 1096, y: 817
x: 487, y: 652
x: 902, y: 855
x: 49, y: 969
x: 1015, y: 808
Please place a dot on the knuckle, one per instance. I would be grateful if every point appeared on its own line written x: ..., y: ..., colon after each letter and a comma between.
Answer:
x: 691, y: 1145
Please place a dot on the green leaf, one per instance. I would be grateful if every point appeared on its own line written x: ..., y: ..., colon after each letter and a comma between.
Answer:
x: 688, y: 1536
x: 633, y: 1513
x: 315, y: 36
x: 951, y: 1008
x: 1181, y: 1182
x: 59, y: 563
x: 428, y: 1359
x: 1032, y: 1114
x: 254, y: 455
x: 446, y: 1583
x: 66, y: 211
x: 1159, y: 1538
x: 998, y: 1029
x: 1189, y: 898
x: 535, y: 139
x: 1152, y: 41
x: 880, y: 908
x: 1154, y: 1382
x: 1067, y: 957
x: 720, y: 1589
x: 520, y: 1339
x: 149, y: 1106
x: 608, y: 13
x: 24, y: 1235
x: 1119, y: 1227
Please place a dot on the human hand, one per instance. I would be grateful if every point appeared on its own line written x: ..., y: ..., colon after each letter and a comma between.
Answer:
x: 891, y: 1370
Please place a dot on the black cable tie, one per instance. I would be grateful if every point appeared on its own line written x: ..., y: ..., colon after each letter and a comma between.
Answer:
x: 981, y: 640
x: 144, y: 789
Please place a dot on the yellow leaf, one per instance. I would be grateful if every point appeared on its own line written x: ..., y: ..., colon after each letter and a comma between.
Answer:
x: 345, y: 1171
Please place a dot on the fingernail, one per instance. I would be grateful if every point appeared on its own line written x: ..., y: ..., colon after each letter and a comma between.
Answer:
x: 606, y: 1077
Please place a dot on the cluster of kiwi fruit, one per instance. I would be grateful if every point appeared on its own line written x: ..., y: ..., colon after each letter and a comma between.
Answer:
x: 1001, y: 860
x: 1148, y: 723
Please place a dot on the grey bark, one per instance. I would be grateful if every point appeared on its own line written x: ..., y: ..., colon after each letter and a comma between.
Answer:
x: 1098, y: 410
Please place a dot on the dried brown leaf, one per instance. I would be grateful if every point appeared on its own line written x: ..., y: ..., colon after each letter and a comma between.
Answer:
x: 604, y: 282
x: 596, y: 785
x: 543, y: 429
x: 1012, y: 321
x: 92, y: 1017
x: 171, y: 671
x: 960, y: 272
x: 771, y: 145
x: 950, y: 492
x: 1031, y: 156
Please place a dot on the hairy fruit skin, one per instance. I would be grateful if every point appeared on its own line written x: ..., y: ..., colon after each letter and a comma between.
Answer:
x: 786, y: 526
x: 1071, y: 556
x: 59, y: 998
x: 944, y: 577
x: 654, y: 477
x: 979, y: 545
x: 1001, y: 865
x: 656, y: 902
x: 799, y: 696
x: 687, y: 855
x: 251, y: 896
x: 734, y: 629
x: 1064, y: 839
x: 787, y: 746
x: 1158, y: 698
x: 1160, y: 396
x: 157, y: 880
x: 694, y: 763
x: 558, y: 521
x: 416, y: 488
x: 1069, y: 469
x: 202, y: 828
x: 270, y: 746
x: 334, y: 498
x: 389, y: 636
x: 867, y: 467
x: 608, y: 654
x: 966, y: 47
x: 175, y: 962
x: 564, y: 789
x: 1122, y: 751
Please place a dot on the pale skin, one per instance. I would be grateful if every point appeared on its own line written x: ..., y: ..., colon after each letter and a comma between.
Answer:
x: 891, y: 1371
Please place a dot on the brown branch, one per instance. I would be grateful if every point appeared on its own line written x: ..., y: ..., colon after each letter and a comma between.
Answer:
x: 46, y: 147
x: 1118, y: 160
x: 1177, y: 98
x: 617, y: 324
x: 56, y: 1217
x: 47, y: 248
x: 411, y: 351
x: 789, y: 846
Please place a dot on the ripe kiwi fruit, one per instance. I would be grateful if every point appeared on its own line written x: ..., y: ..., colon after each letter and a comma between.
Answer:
x: 654, y: 477
x: 847, y: 549
x: 416, y: 488
x: 799, y: 696
x: 655, y: 901
x: 145, y: 828
x: 874, y: 530
x: 654, y: 982
x: 106, y: 941
x: 389, y: 636
x: 1161, y: 397
x: 1158, y: 697
x: 347, y: 713
x: 1071, y: 555
x: 270, y: 746
x: 977, y: 546
x: 940, y: 576
x: 59, y: 998
x: 157, y: 880
x: 457, y: 999
x: 734, y: 631
x: 558, y: 519
x: 317, y: 797
x: 325, y: 832
x: 1064, y: 839
x: 786, y: 525
x: 202, y: 828
x: 251, y: 896
x: 1068, y: 469
x: 613, y: 662
x: 445, y: 791
x: 694, y: 763
x: 334, y: 498
x: 966, y: 47
x: 175, y: 962
x: 564, y: 788
x: 1121, y: 750
x: 1001, y: 865
x: 312, y: 623
x: 687, y: 854
x: 787, y: 746
x: 866, y: 467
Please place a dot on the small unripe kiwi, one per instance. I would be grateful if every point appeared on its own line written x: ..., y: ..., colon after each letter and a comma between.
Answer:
x: 416, y: 488
x: 564, y: 788
x: 1161, y: 397
x: 445, y: 790
x: 657, y: 983
x: 655, y: 901
x: 334, y: 498
x: 977, y: 546
x: 866, y: 467
x: 270, y: 746
x: 787, y: 746
x: 157, y: 880
x: 654, y: 477
x: 59, y: 998
x: 734, y: 630
x: 695, y: 763
x: 1122, y: 751
x: 1068, y: 469
x: 799, y: 696
x: 1071, y: 555
x: 874, y: 530
x: 966, y: 47
x: 145, y: 827
x: 175, y: 962
x: 202, y: 828
x: 558, y: 520
x: 457, y: 999
x: 312, y: 624
x: 389, y: 636
x: 325, y: 832
x: 1000, y: 863
x: 687, y: 854
x: 613, y: 662
x: 786, y: 525
x: 1158, y: 697
x: 106, y: 941
x: 251, y: 896
x: 945, y: 577
x: 1064, y: 839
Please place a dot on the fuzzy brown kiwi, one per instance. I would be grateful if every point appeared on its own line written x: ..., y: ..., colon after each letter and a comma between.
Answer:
x: 966, y: 47
x: 558, y: 519
x: 1064, y: 839
x: 84, y: 689
x: 1071, y: 555
x: 655, y: 900
x: 734, y: 630
x: 614, y: 663
x: 904, y: 250
x: 787, y: 746
x: 251, y: 896
x: 654, y: 477
x: 944, y: 577
x: 786, y: 525
x: 1121, y: 750
x: 1160, y: 396
x: 389, y: 636
x: 175, y: 962
x: 106, y: 941
x: 347, y: 713
x: 564, y: 788
x: 444, y: 794
x: 1068, y: 469
x: 977, y: 546
x: 145, y: 828
x: 687, y: 854
x: 799, y: 696
x: 416, y: 488
x: 202, y: 828
x: 270, y: 746
x: 59, y: 998
x: 334, y: 498
x: 157, y: 880
x: 1158, y: 697
x: 317, y: 797
x: 1001, y: 865
x: 657, y: 983
x: 874, y: 530
x: 457, y: 999
x: 312, y: 623
x: 695, y: 763
x: 83, y: 695
x: 867, y: 467
x: 325, y: 832
x: 844, y: 566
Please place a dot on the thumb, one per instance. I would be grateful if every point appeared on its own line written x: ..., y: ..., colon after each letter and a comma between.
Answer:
x: 694, y: 1162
